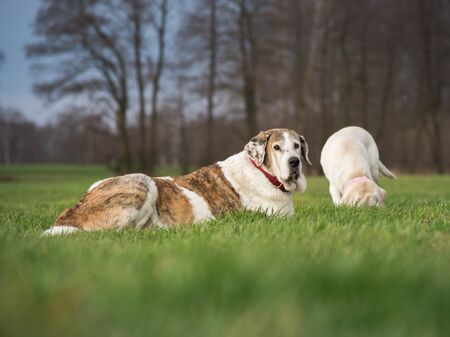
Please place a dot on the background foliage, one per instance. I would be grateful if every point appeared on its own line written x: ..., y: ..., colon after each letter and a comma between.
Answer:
x: 186, y: 83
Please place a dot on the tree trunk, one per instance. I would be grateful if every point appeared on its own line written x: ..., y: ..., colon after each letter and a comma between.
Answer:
x: 347, y: 83
x: 300, y: 63
x: 211, y: 82
x: 386, y: 93
x: 118, y: 90
x: 364, y: 76
x: 325, y: 114
x: 137, y: 44
x: 248, y: 59
x: 124, y: 158
x: 250, y: 104
x: 433, y: 85
x: 312, y: 54
x: 7, y: 143
x: 417, y: 145
x: 156, y: 86
x: 183, y: 149
x: 436, y: 146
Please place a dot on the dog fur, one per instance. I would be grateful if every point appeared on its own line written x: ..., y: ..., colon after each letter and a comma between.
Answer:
x: 351, y: 163
x: 237, y: 183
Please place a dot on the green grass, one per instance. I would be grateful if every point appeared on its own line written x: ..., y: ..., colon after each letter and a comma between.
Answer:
x: 324, y: 272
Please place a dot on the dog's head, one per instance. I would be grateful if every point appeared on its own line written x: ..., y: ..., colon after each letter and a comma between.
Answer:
x: 367, y: 193
x: 279, y: 151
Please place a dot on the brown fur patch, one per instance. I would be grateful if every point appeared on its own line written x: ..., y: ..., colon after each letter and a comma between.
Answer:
x: 210, y: 183
x: 360, y: 194
x: 362, y: 189
x: 173, y: 207
x: 107, y: 205
x: 260, y: 147
x: 276, y: 135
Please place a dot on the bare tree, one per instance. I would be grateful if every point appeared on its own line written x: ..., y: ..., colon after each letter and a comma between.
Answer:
x: 88, y: 51
x: 183, y: 149
x: 390, y: 47
x: 324, y: 75
x: 363, y: 65
x: 139, y: 17
x: 248, y: 53
x: 9, y: 120
x: 160, y: 26
x: 211, y: 78
x: 199, y: 39
x: 347, y: 83
x: 431, y: 70
x: 76, y: 136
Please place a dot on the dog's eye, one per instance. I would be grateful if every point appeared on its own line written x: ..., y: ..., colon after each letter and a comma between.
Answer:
x: 296, y: 145
x: 276, y: 147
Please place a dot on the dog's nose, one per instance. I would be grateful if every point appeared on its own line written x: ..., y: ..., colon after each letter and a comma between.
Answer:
x: 294, y: 162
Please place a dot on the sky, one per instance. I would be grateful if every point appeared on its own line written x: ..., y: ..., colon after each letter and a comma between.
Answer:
x: 16, y: 30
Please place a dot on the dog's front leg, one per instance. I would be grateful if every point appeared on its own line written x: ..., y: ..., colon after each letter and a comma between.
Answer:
x: 335, y: 194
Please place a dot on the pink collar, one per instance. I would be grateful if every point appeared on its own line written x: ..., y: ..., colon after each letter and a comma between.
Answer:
x: 354, y: 181
x: 274, y: 180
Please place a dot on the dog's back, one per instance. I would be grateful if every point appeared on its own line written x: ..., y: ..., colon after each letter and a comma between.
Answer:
x: 350, y: 147
x: 354, y: 134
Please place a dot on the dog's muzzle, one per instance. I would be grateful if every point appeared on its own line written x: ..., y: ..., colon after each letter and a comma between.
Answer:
x: 294, y: 167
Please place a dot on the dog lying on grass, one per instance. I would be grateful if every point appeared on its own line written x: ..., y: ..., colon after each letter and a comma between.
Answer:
x: 351, y: 164
x: 260, y: 178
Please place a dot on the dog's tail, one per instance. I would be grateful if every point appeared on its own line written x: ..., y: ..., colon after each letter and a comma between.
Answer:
x: 385, y: 171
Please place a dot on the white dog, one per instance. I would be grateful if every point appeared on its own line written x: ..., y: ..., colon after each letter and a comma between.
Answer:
x: 260, y: 178
x: 351, y: 164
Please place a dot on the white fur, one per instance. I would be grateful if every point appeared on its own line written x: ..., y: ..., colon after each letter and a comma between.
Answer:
x: 200, y: 208
x: 256, y: 192
x: 60, y: 230
x: 348, y: 153
x: 287, y: 151
x: 148, y: 214
x: 94, y: 185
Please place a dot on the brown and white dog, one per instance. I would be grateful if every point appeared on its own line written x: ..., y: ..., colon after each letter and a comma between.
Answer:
x: 351, y: 163
x: 260, y: 178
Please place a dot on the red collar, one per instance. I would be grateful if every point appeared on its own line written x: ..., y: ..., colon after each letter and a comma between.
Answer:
x: 275, y: 182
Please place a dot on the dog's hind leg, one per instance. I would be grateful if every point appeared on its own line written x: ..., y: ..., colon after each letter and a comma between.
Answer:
x: 60, y: 230
x: 116, y: 203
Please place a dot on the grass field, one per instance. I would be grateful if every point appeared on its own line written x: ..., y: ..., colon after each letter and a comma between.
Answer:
x: 324, y: 272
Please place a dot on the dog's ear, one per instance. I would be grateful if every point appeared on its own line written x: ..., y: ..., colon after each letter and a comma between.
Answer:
x: 256, y: 147
x: 304, y: 148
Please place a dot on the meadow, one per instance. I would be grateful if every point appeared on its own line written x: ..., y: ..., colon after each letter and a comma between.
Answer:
x: 326, y: 271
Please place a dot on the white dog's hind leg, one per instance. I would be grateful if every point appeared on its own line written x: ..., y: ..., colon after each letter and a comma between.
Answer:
x: 335, y: 194
x: 60, y: 230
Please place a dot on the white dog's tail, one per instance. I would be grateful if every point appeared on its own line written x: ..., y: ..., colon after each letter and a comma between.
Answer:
x: 385, y: 171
